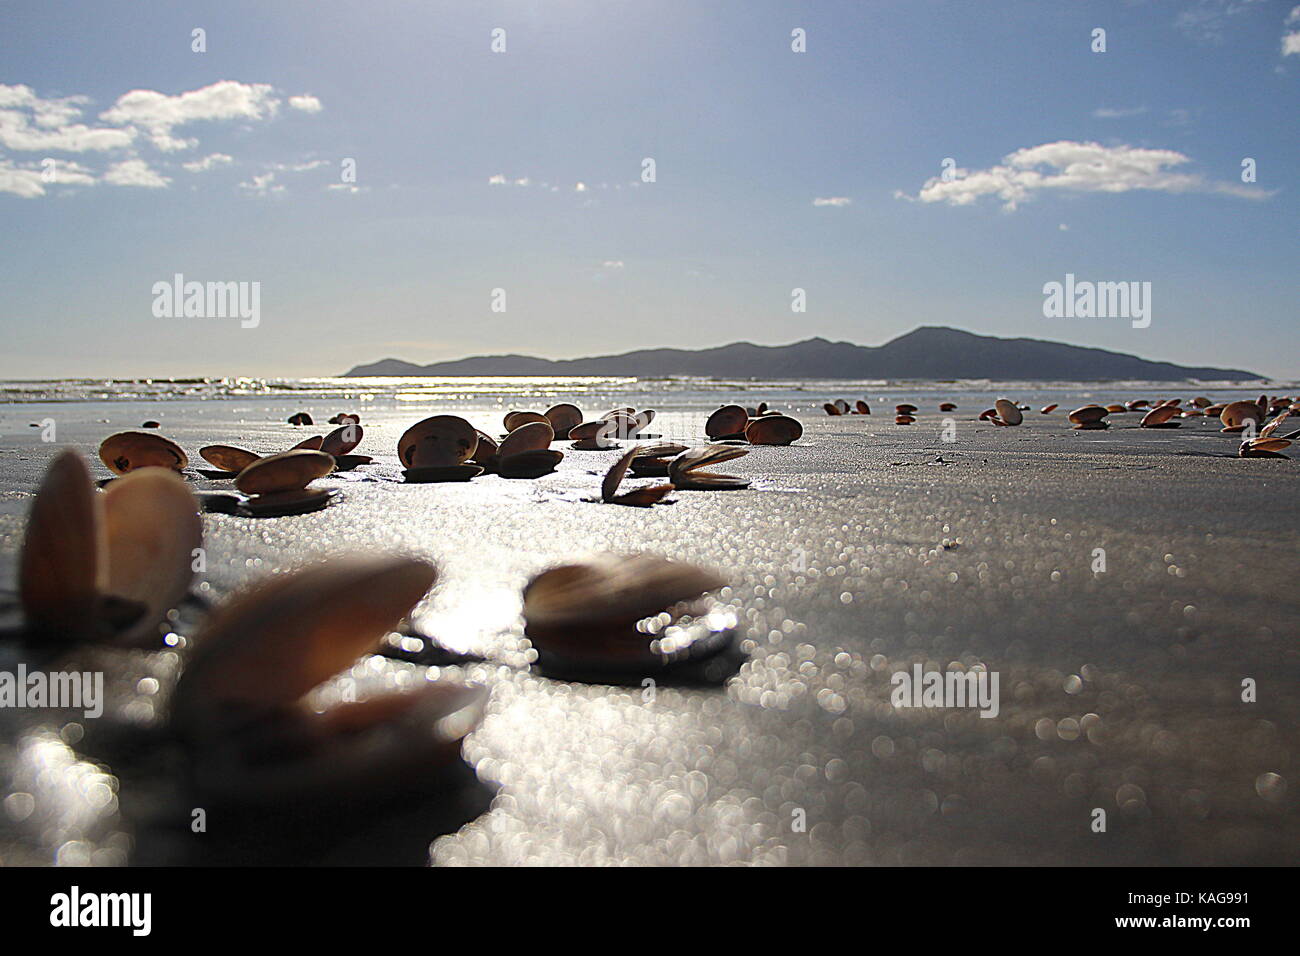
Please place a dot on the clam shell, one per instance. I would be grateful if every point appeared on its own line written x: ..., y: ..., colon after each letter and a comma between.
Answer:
x: 486, y: 448
x: 863, y: 408
x: 563, y: 417
x: 282, y: 504
x: 531, y: 436
x: 906, y: 409
x: 728, y: 420
x: 1235, y: 415
x: 228, y: 457
x: 1160, y: 417
x: 152, y: 529
x: 532, y: 463
x: 310, y: 444
x: 773, y: 430
x: 437, y: 442
x: 1087, y: 414
x: 1116, y: 408
x: 842, y: 405
x: 300, y: 418
x: 947, y: 407
x: 273, y: 643
x: 64, y: 552
x: 1092, y: 426
x: 686, y: 470
x: 1008, y: 411
x: 988, y: 414
x: 438, y: 473
x: 1048, y: 409
x: 514, y: 420
x: 906, y: 420
x: 127, y: 451
x: 287, y: 471
x: 342, y: 440
x: 830, y: 409
x: 638, y: 497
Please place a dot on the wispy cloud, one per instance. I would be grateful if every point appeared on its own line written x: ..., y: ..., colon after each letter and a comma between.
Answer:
x: 306, y: 103
x: 1291, y: 39
x: 207, y: 162
x: 836, y: 201
x: 1207, y: 20
x: 1105, y: 112
x: 1075, y: 167
x: 135, y: 172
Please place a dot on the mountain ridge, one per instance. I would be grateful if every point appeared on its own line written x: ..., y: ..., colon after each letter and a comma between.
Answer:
x: 926, y: 352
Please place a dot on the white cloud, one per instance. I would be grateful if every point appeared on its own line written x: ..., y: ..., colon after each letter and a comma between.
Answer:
x: 1206, y: 20
x: 30, y: 181
x: 207, y: 162
x: 1291, y: 41
x: 30, y: 123
x: 263, y: 185
x: 614, y: 265
x: 135, y: 172
x: 497, y: 180
x: 837, y: 201
x: 305, y: 102
x: 1105, y: 112
x: 579, y: 187
x: 158, y: 114
x: 1075, y: 167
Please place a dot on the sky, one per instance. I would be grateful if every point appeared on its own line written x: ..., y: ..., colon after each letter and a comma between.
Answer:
x: 390, y: 185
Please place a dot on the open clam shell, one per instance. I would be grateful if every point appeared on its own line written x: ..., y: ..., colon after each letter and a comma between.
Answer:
x: 342, y: 440
x: 437, y: 442
x: 617, y: 616
x: 686, y: 472
x: 563, y: 417
x: 1161, y: 417
x: 639, y: 497
x: 228, y: 457
x: 287, y: 471
x: 863, y: 408
x: 127, y: 451
x: 1236, y: 414
x: 1088, y: 414
x: 530, y: 436
x: 773, y: 430
x: 729, y: 421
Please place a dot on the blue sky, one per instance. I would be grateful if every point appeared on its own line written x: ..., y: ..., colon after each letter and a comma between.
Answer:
x: 226, y: 166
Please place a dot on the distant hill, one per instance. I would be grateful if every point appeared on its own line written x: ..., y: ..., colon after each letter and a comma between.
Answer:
x: 929, y: 352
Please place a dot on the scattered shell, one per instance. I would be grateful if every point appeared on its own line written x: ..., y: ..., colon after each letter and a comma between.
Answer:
x: 1235, y: 415
x: 639, y: 497
x: 863, y: 408
x: 652, y: 460
x: 228, y: 458
x: 947, y: 406
x: 530, y: 436
x: 439, y: 473
x: 287, y: 471
x: 563, y: 417
x: 486, y: 448
x: 532, y: 463
x: 127, y: 451
x: 685, y: 470
x: 345, y: 418
x: 904, y: 420
x: 1268, y: 444
x: 616, y: 616
x: 151, y: 424
x: 310, y: 444
x: 514, y: 420
x: 729, y: 421
x: 1008, y: 412
x: 832, y: 409
x: 1088, y: 414
x: 1160, y: 417
x: 773, y: 430
x: 300, y: 418
x: 1048, y: 409
x: 842, y: 405
x: 988, y: 414
x: 438, y: 442
x: 906, y: 409
x: 342, y: 440
x: 1116, y: 409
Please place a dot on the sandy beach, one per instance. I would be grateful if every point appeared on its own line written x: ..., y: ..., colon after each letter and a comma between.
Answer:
x: 861, y: 550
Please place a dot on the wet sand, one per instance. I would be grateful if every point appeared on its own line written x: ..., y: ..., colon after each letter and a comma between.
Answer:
x: 839, y: 567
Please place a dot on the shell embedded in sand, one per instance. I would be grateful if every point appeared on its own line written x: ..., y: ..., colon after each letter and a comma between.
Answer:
x: 685, y: 471
x: 287, y: 471
x: 863, y: 408
x: 300, y: 418
x: 486, y: 448
x: 904, y: 420
x: 127, y: 451
x: 437, y: 442
x: 729, y: 421
x: 310, y: 444
x: 228, y: 457
x: 107, y: 565
x: 1088, y: 414
x: 831, y: 409
x: 1008, y: 412
x: 1048, y: 409
x: 532, y: 463
x: 947, y: 406
x: 1235, y: 416
x: 563, y: 417
x: 616, y: 612
x: 773, y: 430
x: 342, y: 440
x: 1161, y: 417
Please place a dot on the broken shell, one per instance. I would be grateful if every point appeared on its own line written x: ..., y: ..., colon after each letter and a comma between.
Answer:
x: 300, y: 418
x: 729, y: 421
x: 773, y: 430
x: 685, y: 470
x: 615, y: 615
x: 1048, y: 409
x: 1009, y: 412
x: 1088, y: 414
x: 342, y: 440
x: 437, y: 442
x: 563, y: 417
x: 1160, y: 417
x: 863, y: 408
x: 127, y: 451
x: 228, y: 457
x: 287, y: 471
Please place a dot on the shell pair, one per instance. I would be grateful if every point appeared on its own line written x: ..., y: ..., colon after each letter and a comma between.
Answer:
x: 733, y: 423
x: 106, y: 565
x: 448, y: 448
